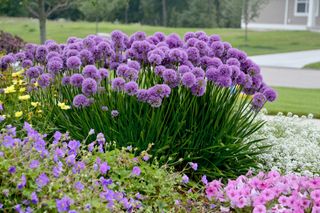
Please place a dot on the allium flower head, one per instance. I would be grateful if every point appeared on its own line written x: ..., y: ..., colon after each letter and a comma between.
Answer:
x: 54, y: 66
x: 258, y: 100
x: 270, y: 94
x: 90, y: 71
x: 44, y: 80
x: 80, y: 101
x: 73, y: 62
x: 188, y: 79
x: 32, y: 72
x: 118, y: 84
x: 76, y: 80
x: 131, y: 88
x: 89, y: 86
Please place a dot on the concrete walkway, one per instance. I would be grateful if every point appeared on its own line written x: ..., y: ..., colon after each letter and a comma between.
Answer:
x: 291, y: 60
x: 289, y: 77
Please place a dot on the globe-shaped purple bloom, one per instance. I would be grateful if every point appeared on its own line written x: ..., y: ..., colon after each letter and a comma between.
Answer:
x: 118, y: 84
x: 89, y: 86
x: 90, y: 71
x: 54, y: 66
x: 76, y: 80
x: 32, y: 72
x: 44, y: 80
x: 258, y: 100
x: 73, y: 63
x: 188, y: 79
x: 131, y: 88
x: 80, y: 100
x: 270, y: 94
x: 104, y: 73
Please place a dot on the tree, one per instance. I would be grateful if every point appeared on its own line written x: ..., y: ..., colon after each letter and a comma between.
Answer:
x: 164, y: 13
x: 41, y: 9
x: 250, y: 11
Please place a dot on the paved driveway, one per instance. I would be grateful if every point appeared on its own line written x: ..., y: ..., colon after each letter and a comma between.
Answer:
x: 291, y: 60
x: 289, y: 77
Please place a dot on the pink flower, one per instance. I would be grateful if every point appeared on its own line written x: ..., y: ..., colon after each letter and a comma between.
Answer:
x: 315, y: 195
x: 259, y: 209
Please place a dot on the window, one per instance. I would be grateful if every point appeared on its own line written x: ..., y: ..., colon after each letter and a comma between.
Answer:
x: 302, y: 7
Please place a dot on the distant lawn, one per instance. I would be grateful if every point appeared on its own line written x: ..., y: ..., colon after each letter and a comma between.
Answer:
x: 298, y: 101
x: 259, y: 42
x: 315, y: 66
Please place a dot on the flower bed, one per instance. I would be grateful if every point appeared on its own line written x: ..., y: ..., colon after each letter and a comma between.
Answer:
x: 191, y: 97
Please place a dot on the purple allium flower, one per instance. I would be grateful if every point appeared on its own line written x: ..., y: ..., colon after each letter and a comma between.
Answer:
x: 142, y: 95
x: 76, y: 80
x: 118, y: 84
x: 212, y: 74
x: 258, y: 100
x: 90, y: 71
x: 198, y: 72
x: 139, y: 36
x: 184, y: 69
x: 89, y: 86
x: 80, y: 101
x: 270, y: 94
x: 194, y: 166
x: 136, y: 171
x: 193, y: 55
x: 199, y: 88
x: 189, y: 35
x: 224, y: 81
x: 44, y: 80
x: 27, y: 63
x: 104, y: 168
x: 224, y: 70
x: 114, y: 113
x: 188, y: 79
x: 65, y: 80
x: 32, y: 72
x: 42, y: 180
x: 41, y: 53
x: 86, y: 57
x: 155, y: 59
x: 131, y: 88
x: 64, y: 204
x: 173, y: 40
x: 34, y: 164
x: 73, y: 62
x: 104, y: 73
x: 134, y: 64
x: 185, y: 179
x: 217, y: 48
x: 79, y: 186
x: 247, y: 81
x: 54, y: 66
x: 159, y: 70
x: 169, y: 75
x: 34, y: 198
x: 233, y: 61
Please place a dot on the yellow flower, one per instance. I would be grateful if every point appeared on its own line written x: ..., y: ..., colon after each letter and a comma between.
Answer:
x: 14, y: 81
x: 18, y: 114
x: 23, y: 89
x: 39, y: 111
x: 24, y: 97
x: 36, y: 84
x: 35, y: 104
x: 63, y: 106
x: 9, y: 89
x: 17, y: 74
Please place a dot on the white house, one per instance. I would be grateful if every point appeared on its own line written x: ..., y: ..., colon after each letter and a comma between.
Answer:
x: 288, y: 15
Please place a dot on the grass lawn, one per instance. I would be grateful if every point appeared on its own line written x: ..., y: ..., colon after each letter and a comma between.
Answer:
x: 259, y: 42
x: 315, y: 66
x: 298, y: 101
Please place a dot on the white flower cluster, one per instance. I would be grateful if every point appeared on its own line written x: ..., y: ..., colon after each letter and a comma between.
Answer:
x: 295, y: 144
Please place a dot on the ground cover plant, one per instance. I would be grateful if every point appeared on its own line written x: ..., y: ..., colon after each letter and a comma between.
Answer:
x: 60, y: 174
x: 294, y: 144
x: 191, y: 98
x: 10, y: 43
